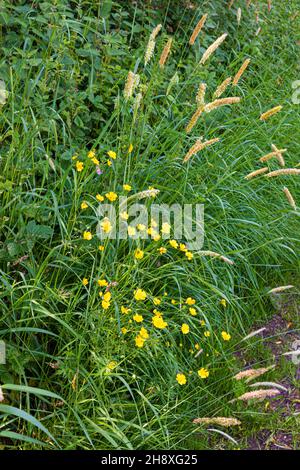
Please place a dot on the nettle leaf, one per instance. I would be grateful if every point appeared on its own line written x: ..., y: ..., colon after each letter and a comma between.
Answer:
x: 38, y: 231
x: 87, y: 52
x: 13, y: 249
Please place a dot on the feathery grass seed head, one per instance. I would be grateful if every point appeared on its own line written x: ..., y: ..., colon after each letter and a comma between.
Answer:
x: 240, y: 72
x: 221, y: 102
x: 197, y: 29
x: 221, y: 88
x: 256, y: 173
x: 289, y: 197
x: 165, y: 53
x: 212, y: 48
x: 270, y: 112
x: 199, y: 145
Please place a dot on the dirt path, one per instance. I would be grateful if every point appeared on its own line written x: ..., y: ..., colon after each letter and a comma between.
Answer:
x: 281, y: 335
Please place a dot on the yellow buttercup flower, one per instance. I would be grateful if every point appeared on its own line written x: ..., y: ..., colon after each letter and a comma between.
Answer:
x: 202, y: 322
x: 162, y: 250
x: 207, y: 334
x: 153, y: 191
x: 124, y: 330
x: 182, y: 247
x: 138, y: 254
x: 185, y: 328
x: 151, y: 231
x: 91, y: 154
x: 107, y: 296
x: 95, y: 161
x: 144, y: 333
x: 193, y: 311
x: 173, y: 302
x: 112, y: 365
x: 85, y: 281
x: 124, y: 215
x: 173, y: 243
x: 101, y: 248
x: 181, y: 379
x: 112, y: 154
x: 189, y: 255
x: 159, y: 322
x: 79, y: 166
x: 140, y: 294
x: 223, y: 302
x: 138, y: 318
x: 190, y: 301
x: 130, y: 148
x: 125, y: 310
x: 102, y: 283
x: 203, y: 373
x: 226, y: 336
x: 127, y: 187
x: 139, y: 341
x: 87, y: 235
x: 99, y: 197
x: 105, y: 304
x: 165, y: 229
x: 131, y: 231
x: 141, y: 227
x: 106, y: 225
x: 111, y: 196
x: 157, y: 312
x: 84, y: 205
x: 156, y: 301
x: 109, y: 163
x: 197, y: 346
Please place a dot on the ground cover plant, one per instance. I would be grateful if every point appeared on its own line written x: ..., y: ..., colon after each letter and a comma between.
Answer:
x: 137, y: 343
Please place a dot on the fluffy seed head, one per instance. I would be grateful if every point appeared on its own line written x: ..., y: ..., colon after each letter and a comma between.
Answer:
x: 130, y: 85
x: 284, y: 171
x: 221, y: 102
x: 165, y: 53
x: 239, y: 15
x: 220, y: 420
x: 200, y: 97
x: 213, y: 254
x: 256, y: 173
x: 289, y: 197
x: 276, y: 152
x: 194, y: 119
x: 240, y: 72
x: 155, y: 31
x: 221, y: 88
x: 259, y: 394
x: 197, y: 29
x: 251, y: 374
x: 278, y: 155
x: 149, y: 51
x: 270, y: 113
x: 151, y: 44
x: 199, y: 145
x: 212, y: 48
x: 279, y: 289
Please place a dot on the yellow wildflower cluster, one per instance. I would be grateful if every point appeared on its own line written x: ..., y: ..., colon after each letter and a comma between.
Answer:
x: 181, y: 247
x: 91, y: 157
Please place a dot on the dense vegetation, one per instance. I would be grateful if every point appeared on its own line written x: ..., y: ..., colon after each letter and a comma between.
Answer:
x: 86, y: 371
